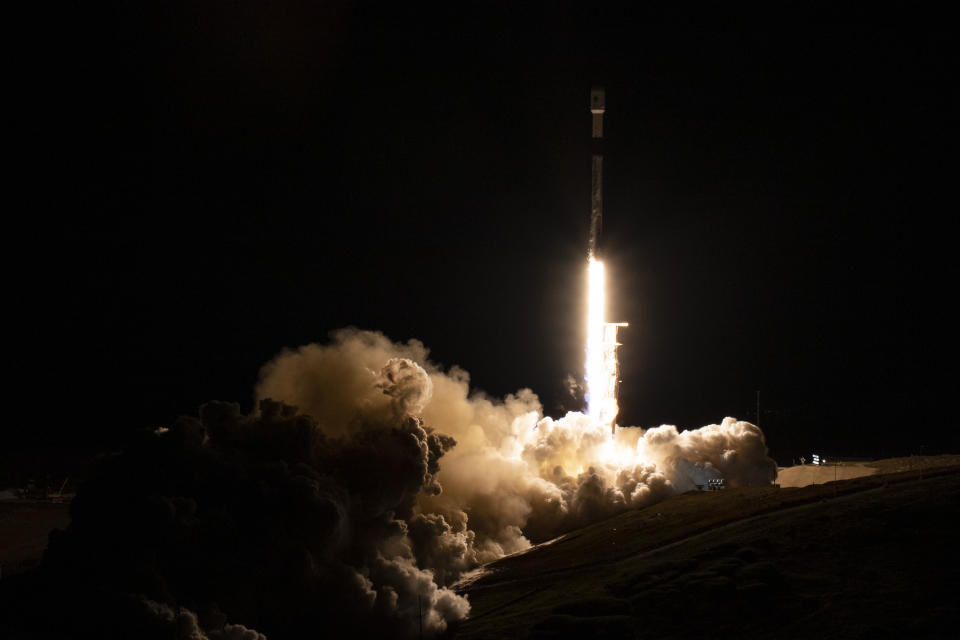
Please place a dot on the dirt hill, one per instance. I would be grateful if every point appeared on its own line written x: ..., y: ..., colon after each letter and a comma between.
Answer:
x: 807, y: 474
x: 874, y: 556
x: 24, y: 528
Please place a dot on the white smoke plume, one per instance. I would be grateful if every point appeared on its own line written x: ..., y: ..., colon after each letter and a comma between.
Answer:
x: 407, y: 384
x: 367, y: 481
x: 514, y: 476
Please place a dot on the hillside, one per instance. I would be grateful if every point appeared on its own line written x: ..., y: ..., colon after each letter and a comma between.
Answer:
x: 867, y: 557
x: 803, y: 475
x: 24, y: 528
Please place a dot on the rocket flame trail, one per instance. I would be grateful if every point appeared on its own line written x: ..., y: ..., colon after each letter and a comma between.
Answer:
x: 602, y: 368
x: 596, y: 303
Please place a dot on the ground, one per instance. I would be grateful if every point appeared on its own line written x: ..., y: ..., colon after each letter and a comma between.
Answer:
x: 871, y: 557
x: 24, y: 527
x: 804, y: 475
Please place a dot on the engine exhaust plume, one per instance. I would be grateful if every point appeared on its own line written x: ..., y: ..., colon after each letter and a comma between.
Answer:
x: 602, y: 369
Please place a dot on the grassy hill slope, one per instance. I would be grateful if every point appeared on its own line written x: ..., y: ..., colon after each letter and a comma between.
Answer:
x: 874, y: 556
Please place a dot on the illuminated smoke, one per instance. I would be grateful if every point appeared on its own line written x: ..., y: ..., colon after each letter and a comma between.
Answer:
x: 515, y: 476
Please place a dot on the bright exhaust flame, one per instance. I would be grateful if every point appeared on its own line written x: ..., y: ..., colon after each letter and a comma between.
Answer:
x: 602, y: 368
x: 596, y: 306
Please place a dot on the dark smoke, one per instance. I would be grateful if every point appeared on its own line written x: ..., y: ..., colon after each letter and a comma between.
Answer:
x: 260, y: 520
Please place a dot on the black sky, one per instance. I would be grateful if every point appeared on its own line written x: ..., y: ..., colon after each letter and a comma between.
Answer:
x: 216, y: 183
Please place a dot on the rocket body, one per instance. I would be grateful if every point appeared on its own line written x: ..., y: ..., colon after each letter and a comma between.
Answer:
x: 596, y: 205
x: 602, y: 370
x: 597, y: 108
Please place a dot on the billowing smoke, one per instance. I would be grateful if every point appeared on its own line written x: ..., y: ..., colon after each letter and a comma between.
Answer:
x: 515, y: 476
x: 366, y: 482
x: 229, y: 523
x: 168, y: 622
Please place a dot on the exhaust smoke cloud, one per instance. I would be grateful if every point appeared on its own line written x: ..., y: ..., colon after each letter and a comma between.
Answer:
x: 515, y: 476
x: 367, y: 481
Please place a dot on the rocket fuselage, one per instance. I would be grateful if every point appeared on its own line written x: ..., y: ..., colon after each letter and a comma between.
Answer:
x: 597, y: 108
x: 603, y: 368
x: 596, y: 204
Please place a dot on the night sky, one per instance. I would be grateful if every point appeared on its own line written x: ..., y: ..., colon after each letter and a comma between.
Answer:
x: 215, y: 184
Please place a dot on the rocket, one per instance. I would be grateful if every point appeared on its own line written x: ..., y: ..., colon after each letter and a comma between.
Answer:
x: 597, y: 107
x: 603, y: 367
